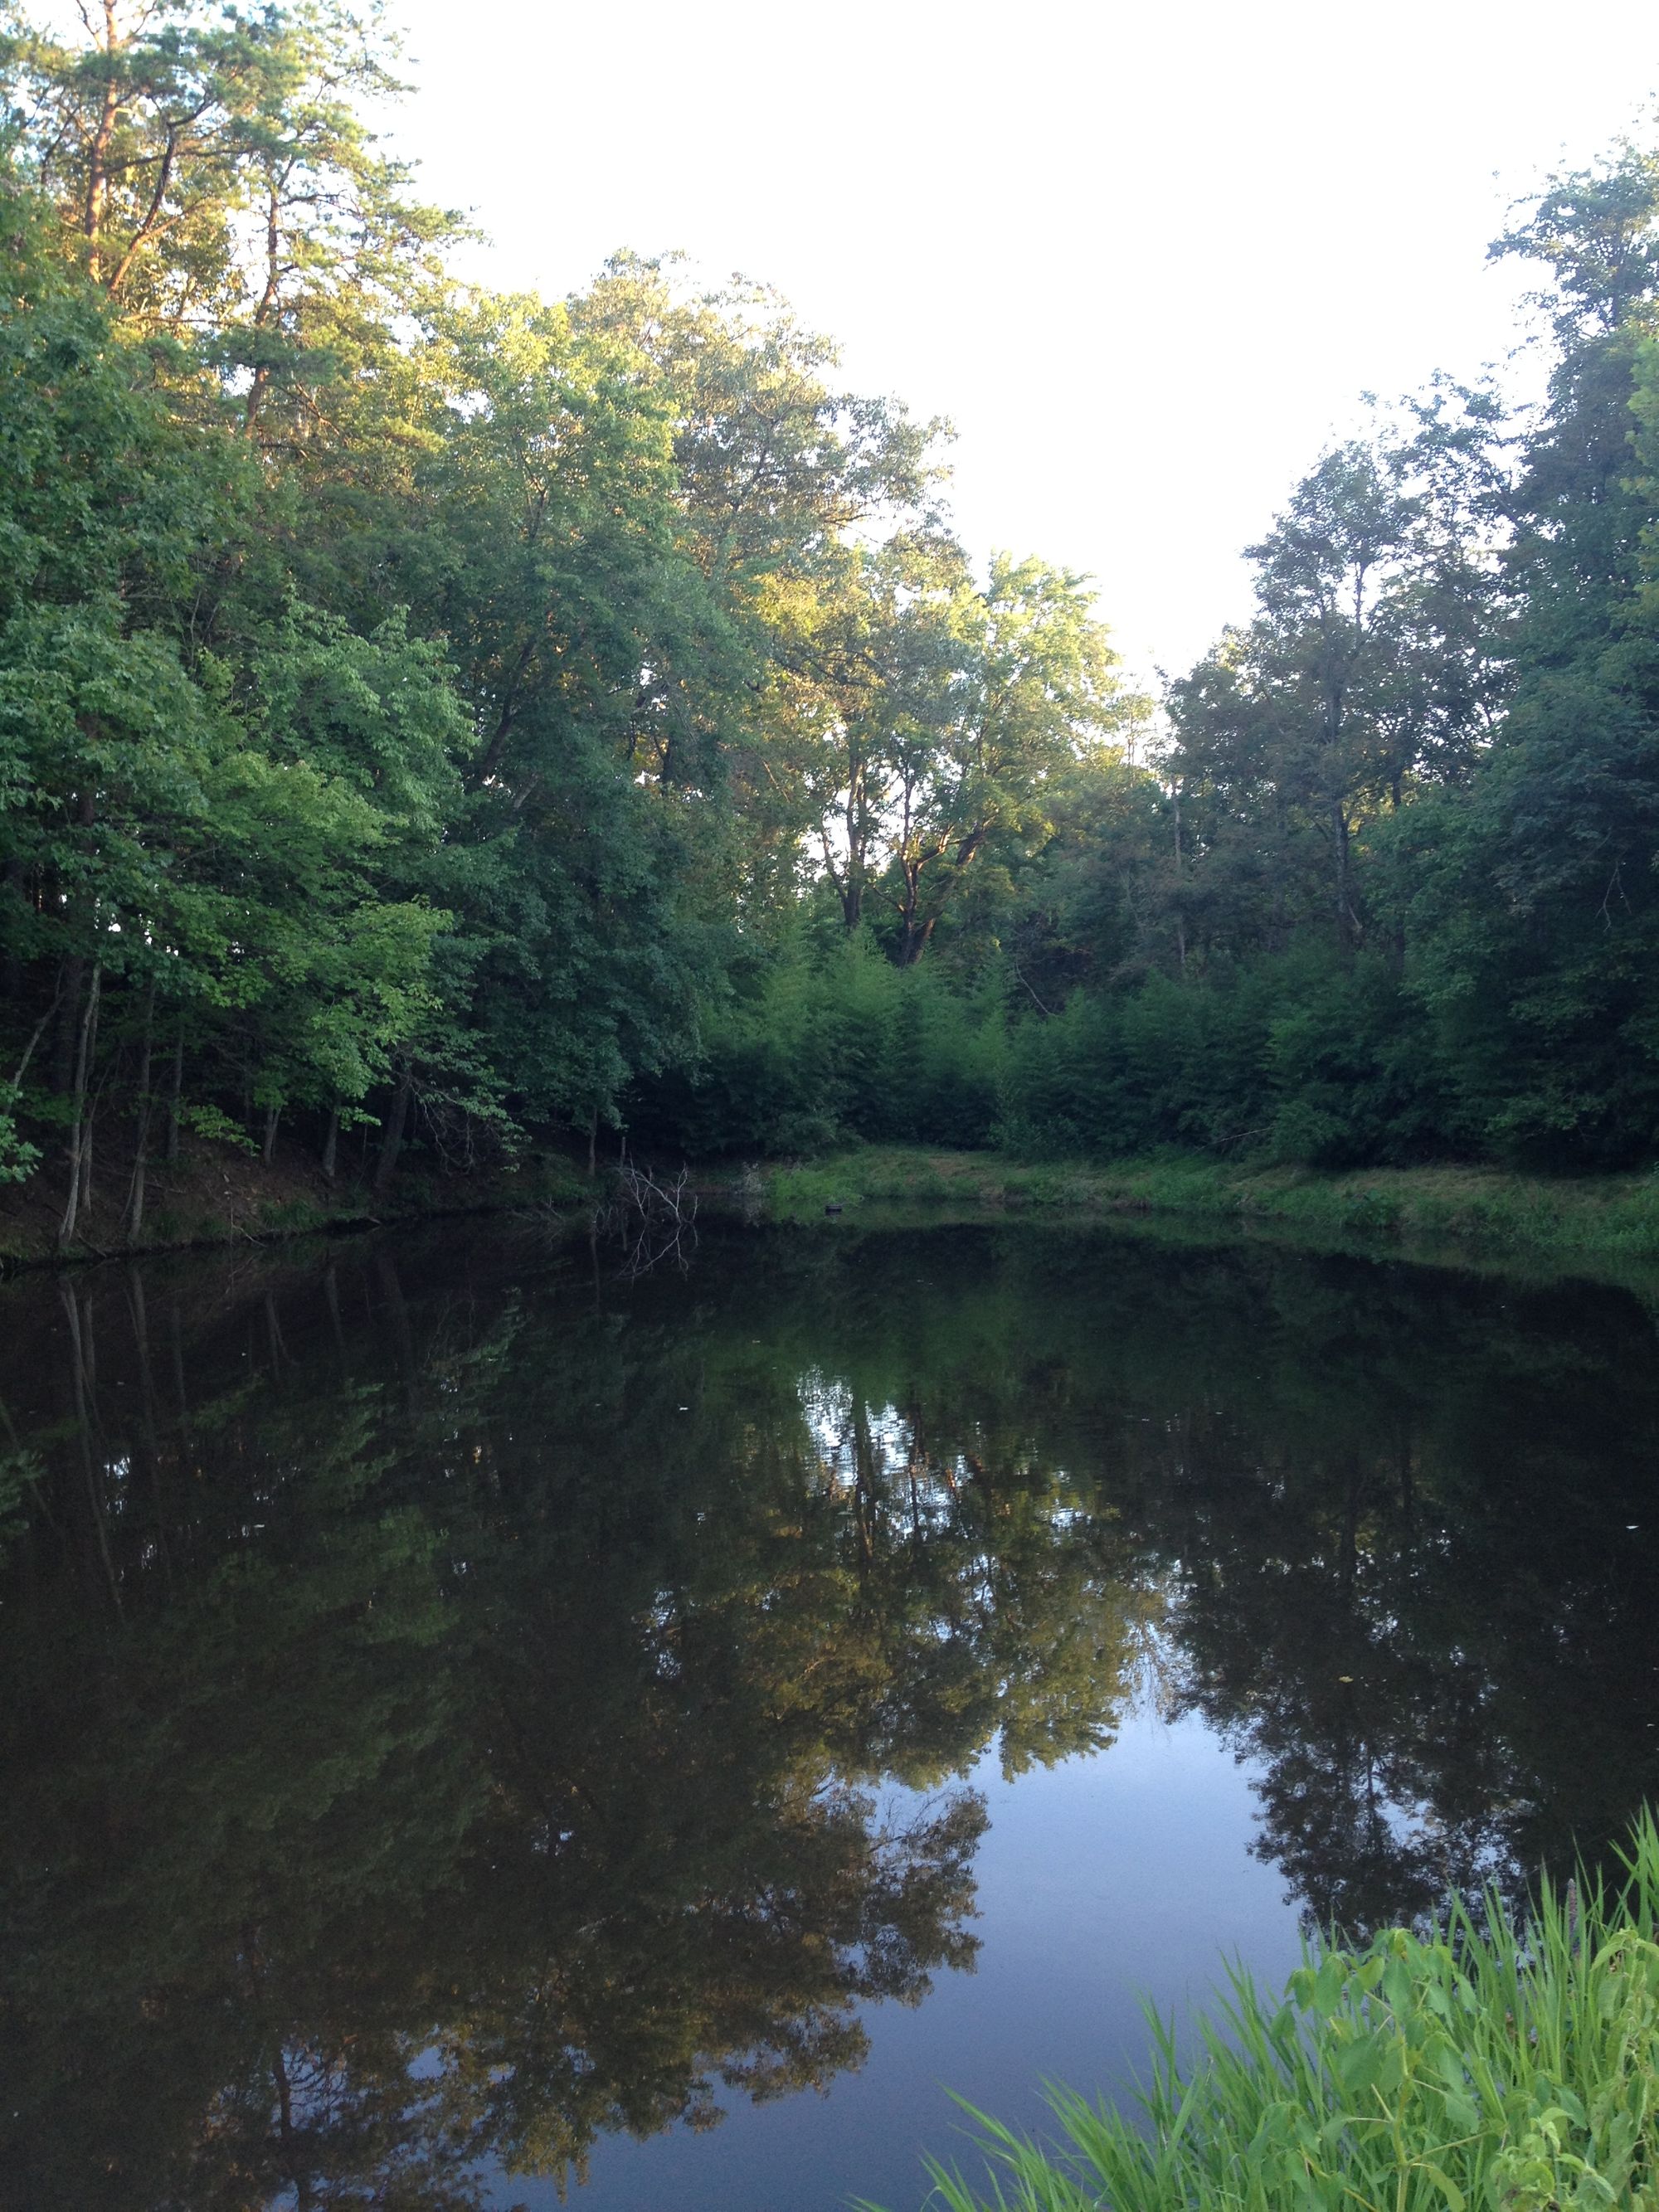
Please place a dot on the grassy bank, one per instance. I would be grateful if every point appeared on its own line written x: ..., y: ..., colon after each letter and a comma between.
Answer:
x: 1612, y: 1217
x: 1497, y: 2069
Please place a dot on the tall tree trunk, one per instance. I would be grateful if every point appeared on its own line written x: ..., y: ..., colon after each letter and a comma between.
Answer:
x: 915, y: 939
x: 261, y: 377
x: 68, y: 1025
x: 858, y: 845
x: 1340, y: 855
x: 332, y: 1144
x: 268, y: 1149
x: 175, y: 1095
x: 392, y: 1139
x: 910, y: 938
x: 98, y: 153
x: 79, y: 1144
x: 141, y: 1150
x: 87, y: 1129
x: 75, y: 967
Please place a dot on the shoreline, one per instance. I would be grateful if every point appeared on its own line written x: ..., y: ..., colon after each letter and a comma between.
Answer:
x: 1453, y: 1214
x: 216, y: 1199
x: 1440, y: 1215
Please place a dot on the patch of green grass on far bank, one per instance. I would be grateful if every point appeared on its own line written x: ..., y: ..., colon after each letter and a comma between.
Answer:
x: 1495, y: 2067
x: 1612, y: 1216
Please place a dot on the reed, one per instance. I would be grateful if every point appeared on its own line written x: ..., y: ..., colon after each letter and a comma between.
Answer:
x: 1500, y: 2063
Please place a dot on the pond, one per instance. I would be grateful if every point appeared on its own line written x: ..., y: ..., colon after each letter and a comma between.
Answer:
x: 479, y: 1725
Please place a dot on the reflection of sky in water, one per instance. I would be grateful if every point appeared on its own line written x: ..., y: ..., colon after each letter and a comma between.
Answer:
x: 831, y: 1409
x: 836, y: 1418
x: 1104, y: 1882
x: 1101, y: 1881
x: 841, y: 1504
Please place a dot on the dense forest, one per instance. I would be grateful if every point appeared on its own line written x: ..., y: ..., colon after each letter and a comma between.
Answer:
x: 431, y: 718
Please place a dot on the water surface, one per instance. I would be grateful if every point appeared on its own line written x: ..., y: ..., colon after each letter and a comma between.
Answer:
x: 477, y: 1724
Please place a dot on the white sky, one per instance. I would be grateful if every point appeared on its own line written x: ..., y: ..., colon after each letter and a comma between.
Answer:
x: 1145, y: 258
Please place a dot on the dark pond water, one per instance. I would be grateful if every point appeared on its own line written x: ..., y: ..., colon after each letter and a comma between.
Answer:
x: 471, y: 1721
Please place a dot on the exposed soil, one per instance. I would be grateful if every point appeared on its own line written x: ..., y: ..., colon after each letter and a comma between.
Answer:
x: 217, y: 1194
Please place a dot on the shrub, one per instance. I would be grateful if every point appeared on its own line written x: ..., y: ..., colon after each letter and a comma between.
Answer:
x: 832, y: 1042
x: 1306, y: 1057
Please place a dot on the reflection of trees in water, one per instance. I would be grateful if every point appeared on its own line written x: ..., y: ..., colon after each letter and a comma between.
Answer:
x: 1389, y: 1509
x: 440, y: 1682
x: 445, y: 1663
x: 992, y: 1601
x: 1317, y: 1634
x: 1404, y: 1582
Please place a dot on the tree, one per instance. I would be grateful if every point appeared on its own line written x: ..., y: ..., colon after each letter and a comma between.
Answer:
x: 1368, y: 672
x: 946, y: 716
x: 221, y: 184
x: 1532, y: 911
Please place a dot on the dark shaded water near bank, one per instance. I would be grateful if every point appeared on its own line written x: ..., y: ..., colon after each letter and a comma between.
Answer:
x: 471, y: 1715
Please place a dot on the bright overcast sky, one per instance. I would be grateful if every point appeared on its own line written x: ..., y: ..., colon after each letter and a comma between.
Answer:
x: 1145, y: 257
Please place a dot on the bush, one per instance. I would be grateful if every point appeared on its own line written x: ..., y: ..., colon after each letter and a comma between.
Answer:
x: 832, y: 1042
x: 1305, y: 1058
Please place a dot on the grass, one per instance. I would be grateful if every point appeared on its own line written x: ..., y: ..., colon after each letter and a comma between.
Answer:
x: 1496, y: 2067
x: 1611, y: 1216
